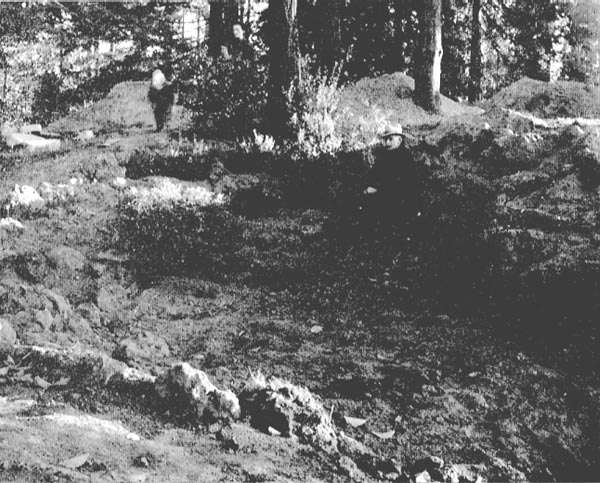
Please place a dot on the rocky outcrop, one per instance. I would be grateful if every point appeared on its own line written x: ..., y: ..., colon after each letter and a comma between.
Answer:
x: 188, y: 392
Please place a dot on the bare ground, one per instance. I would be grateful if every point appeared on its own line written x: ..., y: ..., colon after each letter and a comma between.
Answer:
x: 307, y: 308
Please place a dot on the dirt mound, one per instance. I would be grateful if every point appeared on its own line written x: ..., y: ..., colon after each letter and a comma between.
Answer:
x: 125, y: 106
x: 550, y: 99
x: 388, y: 98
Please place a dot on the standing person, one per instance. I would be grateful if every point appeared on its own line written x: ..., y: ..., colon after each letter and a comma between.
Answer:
x: 394, y: 182
x: 162, y: 94
x: 239, y: 47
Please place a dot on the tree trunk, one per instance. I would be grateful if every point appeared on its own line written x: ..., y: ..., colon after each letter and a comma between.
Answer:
x: 331, y: 34
x: 475, y: 68
x: 284, y: 61
x: 429, y: 63
x: 215, y: 28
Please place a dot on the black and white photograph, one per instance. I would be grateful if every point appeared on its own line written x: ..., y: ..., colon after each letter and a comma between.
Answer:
x: 300, y: 241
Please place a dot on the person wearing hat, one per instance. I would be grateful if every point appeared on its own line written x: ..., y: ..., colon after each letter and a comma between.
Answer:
x: 162, y: 94
x: 394, y: 181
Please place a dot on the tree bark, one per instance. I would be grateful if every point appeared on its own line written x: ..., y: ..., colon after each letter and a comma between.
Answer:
x: 331, y: 34
x: 429, y: 62
x: 284, y: 62
x: 475, y: 67
x: 216, y: 28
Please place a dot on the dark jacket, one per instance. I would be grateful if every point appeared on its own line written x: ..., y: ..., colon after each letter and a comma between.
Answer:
x: 399, y: 183
x: 240, y: 49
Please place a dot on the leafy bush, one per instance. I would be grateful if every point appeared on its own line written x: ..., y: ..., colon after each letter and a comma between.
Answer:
x: 316, y: 100
x: 170, y: 228
x: 47, y: 99
x: 227, y: 97
x: 323, y: 122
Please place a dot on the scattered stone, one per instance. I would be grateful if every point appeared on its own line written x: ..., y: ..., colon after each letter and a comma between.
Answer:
x: 106, y: 301
x: 463, y: 474
x: 227, y: 439
x: 55, y: 193
x: 12, y: 407
x: 33, y: 267
x: 432, y: 466
x: 423, y: 477
x: 86, y: 135
x: 97, y: 269
x: 44, y: 318
x: 101, y: 426
x: 189, y: 391
x: 91, y: 313
x: 354, y: 422
x: 364, y: 456
x: 7, y: 128
x: 58, y: 302
x: 119, y: 182
x: 78, y: 326
x: 10, y: 224
x: 76, y: 462
x: 31, y: 141
x: 349, y: 468
x: 142, y: 346
x: 64, y: 257
x: 141, y: 461
x: 31, y: 128
x: 290, y: 409
x: 7, y: 333
x: 25, y: 196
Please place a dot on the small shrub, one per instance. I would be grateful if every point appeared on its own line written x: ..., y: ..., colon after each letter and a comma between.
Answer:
x: 47, y: 99
x: 323, y: 122
x: 316, y: 100
x: 171, y: 229
x: 261, y: 143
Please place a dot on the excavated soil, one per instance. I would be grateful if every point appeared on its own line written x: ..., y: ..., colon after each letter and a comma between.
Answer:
x: 344, y: 316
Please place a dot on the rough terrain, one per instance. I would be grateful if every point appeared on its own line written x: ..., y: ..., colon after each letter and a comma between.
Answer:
x: 398, y: 379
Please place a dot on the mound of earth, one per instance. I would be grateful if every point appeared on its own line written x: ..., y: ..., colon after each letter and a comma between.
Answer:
x: 388, y: 98
x: 550, y: 99
x: 126, y: 105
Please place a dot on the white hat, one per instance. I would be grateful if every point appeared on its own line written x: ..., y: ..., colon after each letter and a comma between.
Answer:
x: 392, y: 130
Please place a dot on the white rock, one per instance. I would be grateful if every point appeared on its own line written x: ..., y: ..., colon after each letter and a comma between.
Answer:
x: 25, y: 196
x: 11, y: 224
x: 96, y: 425
x: 85, y: 135
x: 119, y: 182
x: 31, y: 128
x: 60, y: 191
x: 183, y: 379
x: 31, y: 141
x: 7, y: 128
x: 8, y: 407
x: 7, y: 333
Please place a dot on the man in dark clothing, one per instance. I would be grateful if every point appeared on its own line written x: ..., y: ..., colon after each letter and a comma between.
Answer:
x: 394, y: 182
x: 239, y: 48
x: 162, y: 94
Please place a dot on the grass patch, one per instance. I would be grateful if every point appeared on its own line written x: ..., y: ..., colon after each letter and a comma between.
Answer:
x: 171, y: 229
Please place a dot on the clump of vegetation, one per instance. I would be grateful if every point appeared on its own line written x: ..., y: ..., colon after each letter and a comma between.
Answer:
x: 227, y: 97
x: 172, y: 228
x: 182, y: 163
x: 316, y: 101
